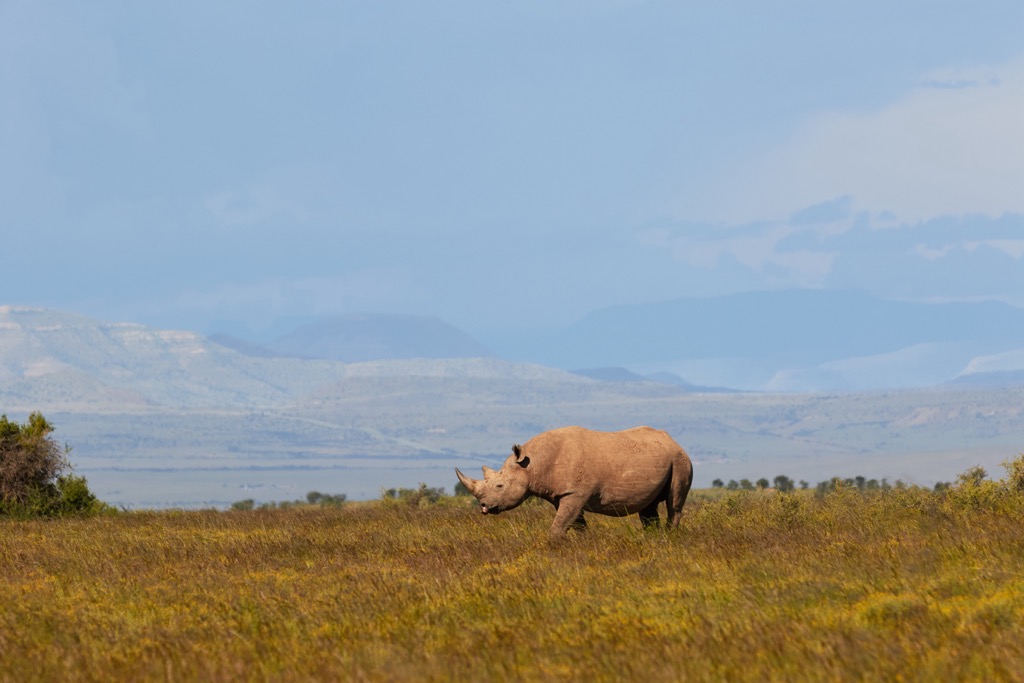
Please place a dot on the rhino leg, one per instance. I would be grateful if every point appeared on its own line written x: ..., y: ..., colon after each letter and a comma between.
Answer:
x: 649, y: 516
x: 678, y: 488
x: 568, y: 512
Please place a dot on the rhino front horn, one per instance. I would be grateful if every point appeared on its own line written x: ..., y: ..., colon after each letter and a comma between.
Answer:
x: 471, y: 484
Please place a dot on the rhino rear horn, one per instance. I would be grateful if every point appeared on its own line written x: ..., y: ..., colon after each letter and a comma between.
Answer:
x: 472, y: 485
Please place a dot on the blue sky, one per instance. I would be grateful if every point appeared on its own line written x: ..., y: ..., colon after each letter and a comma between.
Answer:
x: 503, y: 165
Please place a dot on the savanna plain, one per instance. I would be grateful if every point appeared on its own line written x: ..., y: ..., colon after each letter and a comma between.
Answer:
x: 899, y: 584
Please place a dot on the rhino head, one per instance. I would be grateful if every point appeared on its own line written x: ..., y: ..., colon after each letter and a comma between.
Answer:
x: 503, y: 489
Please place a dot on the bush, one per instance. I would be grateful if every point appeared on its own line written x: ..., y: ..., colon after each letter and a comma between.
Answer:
x: 971, y: 477
x: 35, y: 474
x: 1015, y: 473
x: 328, y: 499
x: 414, y: 496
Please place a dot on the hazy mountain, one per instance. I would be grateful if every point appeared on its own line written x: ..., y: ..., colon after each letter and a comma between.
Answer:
x: 64, y: 360
x: 1009, y: 378
x: 159, y: 418
x: 803, y: 340
x: 54, y: 358
x: 624, y: 375
x: 243, y: 346
x: 364, y: 337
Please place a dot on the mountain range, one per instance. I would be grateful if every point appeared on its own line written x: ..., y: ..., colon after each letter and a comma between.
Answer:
x: 173, y: 418
x: 796, y: 340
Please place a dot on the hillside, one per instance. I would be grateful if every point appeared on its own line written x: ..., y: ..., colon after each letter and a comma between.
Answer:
x: 70, y: 362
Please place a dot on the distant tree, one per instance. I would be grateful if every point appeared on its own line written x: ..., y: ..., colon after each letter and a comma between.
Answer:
x: 942, y: 486
x: 717, y: 483
x: 826, y: 487
x: 973, y: 476
x: 332, y: 499
x: 35, y: 474
x: 783, y: 483
x: 415, y: 496
x: 461, y: 490
x: 1015, y: 473
x: 860, y: 482
x: 746, y: 485
x: 732, y: 485
x: 242, y: 505
x: 763, y: 483
x: 804, y: 484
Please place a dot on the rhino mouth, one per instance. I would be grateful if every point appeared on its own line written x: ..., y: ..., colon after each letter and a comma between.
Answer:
x: 486, y: 509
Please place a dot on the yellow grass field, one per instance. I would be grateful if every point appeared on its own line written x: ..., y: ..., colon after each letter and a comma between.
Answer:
x: 896, y: 585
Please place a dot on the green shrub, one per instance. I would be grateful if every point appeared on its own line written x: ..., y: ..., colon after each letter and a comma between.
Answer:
x: 414, y: 497
x: 329, y: 499
x: 35, y: 474
x: 1015, y: 473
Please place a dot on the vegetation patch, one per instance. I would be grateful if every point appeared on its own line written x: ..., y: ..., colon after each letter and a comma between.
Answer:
x: 36, y: 478
x: 894, y: 584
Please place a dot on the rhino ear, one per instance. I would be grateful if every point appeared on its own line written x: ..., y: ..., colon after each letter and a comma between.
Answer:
x: 521, y: 460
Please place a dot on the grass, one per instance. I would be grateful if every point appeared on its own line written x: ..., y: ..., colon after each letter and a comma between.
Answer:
x: 905, y: 584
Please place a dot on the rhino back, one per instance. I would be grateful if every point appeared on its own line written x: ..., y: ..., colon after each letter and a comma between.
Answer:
x: 625, y: 468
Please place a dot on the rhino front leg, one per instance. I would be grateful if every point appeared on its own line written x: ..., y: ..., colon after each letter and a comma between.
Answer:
x: 568, y: 512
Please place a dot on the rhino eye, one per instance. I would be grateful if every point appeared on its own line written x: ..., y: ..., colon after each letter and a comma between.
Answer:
x: 499, y: 486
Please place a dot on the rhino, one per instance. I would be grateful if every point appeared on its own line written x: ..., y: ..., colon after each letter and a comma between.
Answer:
x: 580, y: 470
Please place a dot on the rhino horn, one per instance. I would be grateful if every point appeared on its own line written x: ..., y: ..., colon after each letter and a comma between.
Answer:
x: 488, y: 472
x: 473, y: 485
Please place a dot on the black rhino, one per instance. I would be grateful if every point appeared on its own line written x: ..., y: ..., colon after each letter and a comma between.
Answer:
x: 580, y: 470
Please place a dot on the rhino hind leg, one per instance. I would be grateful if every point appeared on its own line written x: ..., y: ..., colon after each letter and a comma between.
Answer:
x: 580, y: 524
x: 678, y: 488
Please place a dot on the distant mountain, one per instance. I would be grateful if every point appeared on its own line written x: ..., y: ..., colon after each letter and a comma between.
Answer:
x: 366, y: 337
x: 243, y: 346
x: 58, y: 360
x: 610, y: 375
x: 170, y: 418
x: 789, y: 340
x: 54, y: 358
x: 624, y: 375
x: 1008, y: 378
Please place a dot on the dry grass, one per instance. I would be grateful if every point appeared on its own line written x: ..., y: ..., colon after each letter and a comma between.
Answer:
x: 902, y: 585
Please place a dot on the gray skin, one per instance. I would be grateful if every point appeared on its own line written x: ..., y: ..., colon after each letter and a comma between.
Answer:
x: 579, y: 470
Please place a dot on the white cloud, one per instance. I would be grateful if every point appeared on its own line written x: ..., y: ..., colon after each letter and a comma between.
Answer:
x: 931, y: 253
x: 952, y: 145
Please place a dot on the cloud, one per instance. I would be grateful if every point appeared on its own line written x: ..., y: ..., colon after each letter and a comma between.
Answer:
x: 782, y: 254
x: 1014, y: 248
x: 952, y: 145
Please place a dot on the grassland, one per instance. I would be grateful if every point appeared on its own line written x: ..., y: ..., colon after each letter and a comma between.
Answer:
x: 898, y: 585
